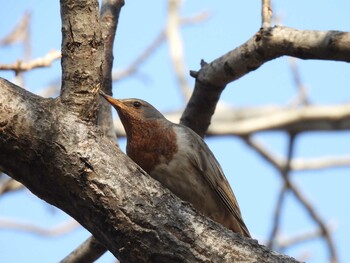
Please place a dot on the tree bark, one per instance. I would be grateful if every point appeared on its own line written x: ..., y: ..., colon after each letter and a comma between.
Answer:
x: 265, y: 45
x: 55, y: 148
x: 68, y: 163
x: 82, y: 56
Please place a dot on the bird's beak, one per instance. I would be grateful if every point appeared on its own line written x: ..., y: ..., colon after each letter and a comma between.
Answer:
x: 114, y: 102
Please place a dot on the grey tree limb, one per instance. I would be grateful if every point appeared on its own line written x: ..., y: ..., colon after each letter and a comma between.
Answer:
x: 68, y: 163
x: 265, y: 45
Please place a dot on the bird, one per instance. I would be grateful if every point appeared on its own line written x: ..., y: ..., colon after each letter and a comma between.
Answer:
x: 180, y: 160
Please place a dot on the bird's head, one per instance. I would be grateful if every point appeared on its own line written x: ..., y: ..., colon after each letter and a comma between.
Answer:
x: 133, y: 111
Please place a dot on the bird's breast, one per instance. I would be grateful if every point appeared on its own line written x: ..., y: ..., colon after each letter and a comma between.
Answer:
x: 152, y: 146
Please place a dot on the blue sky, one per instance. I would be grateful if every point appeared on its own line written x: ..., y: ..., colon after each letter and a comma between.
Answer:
x: 255, y: 183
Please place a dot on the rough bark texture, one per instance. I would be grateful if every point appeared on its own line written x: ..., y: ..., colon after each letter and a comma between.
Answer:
x: 68, y: 163
x: 264, y: 46
x: 82, y: 56
x: 54, y: 147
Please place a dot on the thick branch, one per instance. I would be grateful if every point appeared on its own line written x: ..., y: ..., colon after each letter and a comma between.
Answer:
x: 70, y: 165
x: 262, y: 47
x: 82, y: 53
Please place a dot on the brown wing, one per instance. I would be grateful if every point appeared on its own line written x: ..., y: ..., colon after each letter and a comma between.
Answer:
x: 210, y: 168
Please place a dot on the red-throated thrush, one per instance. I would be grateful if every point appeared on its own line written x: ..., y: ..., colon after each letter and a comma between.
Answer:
x: 180, y: 160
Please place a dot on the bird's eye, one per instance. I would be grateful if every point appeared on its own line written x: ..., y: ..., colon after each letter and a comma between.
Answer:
x: 137, y: 104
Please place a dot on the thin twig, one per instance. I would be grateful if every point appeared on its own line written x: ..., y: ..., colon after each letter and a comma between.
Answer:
x: 266, y: 14
x: 149, y: 50
x: 58, y: 230
x: 284, y: 171
x: 306, y: 236
x: 21, y: 66
x: 277, y: 216
x: 319, y: 221
x: 89, y: 251
x: 298, y: 195
x: 299, y: 164
x: 176, y: 49
x: 302, y: 98
x: 19, y: 33
x: 134, y: 65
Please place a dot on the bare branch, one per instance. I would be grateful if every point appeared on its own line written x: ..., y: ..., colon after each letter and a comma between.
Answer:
x: 320, y: 163
x: 21, y: 66
x: 110, y: 11
x: 132, y: 68
x: 266, y: 14
x: 277, y: 216
x: 58, y: 230
x: 19, y: 33
x: 285, y: 172
x: 298, y: 164
x: 176, y: 47
x: 273, y: 43
x: 287, y: 242
x: 194, y: 19
x: 264, y: 46
x: 89, y: 251
x: 243, y: 122
x: 10, y: 185
x: 319, y: 221
x: 299, y: 196
x: 302, y: 92
x: 148, y: 51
